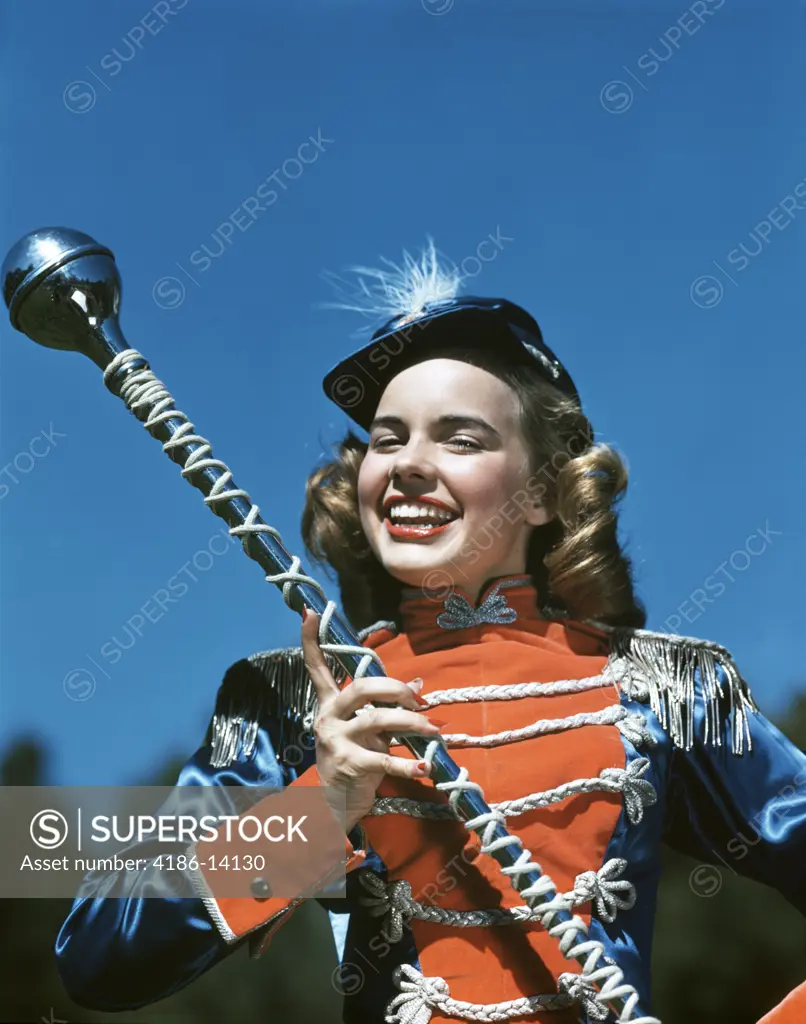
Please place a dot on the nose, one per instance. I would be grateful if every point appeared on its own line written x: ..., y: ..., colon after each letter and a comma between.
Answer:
x: 412, y: 462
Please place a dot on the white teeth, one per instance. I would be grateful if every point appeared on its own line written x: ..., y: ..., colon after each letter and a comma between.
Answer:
x: 401, y: 511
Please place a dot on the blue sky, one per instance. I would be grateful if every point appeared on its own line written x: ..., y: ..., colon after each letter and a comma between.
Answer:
x: 645, y: 163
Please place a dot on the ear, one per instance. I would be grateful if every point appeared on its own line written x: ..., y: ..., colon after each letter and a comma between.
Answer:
x: 536, y: 514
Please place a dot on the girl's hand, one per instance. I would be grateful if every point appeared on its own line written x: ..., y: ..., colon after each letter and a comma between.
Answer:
x: 352, y: 751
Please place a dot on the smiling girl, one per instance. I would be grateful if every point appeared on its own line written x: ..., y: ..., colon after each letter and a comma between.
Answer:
x: 475, y: 540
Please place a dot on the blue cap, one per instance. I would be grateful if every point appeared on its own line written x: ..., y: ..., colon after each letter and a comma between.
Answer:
x: 490, y: 325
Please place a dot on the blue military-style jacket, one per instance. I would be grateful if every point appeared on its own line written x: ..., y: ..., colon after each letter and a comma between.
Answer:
x: 594, y: 744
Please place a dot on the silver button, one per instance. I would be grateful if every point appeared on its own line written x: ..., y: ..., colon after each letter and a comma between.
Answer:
x: 260, y: 889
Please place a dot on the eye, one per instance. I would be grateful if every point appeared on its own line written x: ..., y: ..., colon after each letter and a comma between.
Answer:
x: 468, y: 443
x: 385, y: 442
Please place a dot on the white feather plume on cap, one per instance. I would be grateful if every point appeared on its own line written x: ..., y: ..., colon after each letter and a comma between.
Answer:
x: 402, y: 290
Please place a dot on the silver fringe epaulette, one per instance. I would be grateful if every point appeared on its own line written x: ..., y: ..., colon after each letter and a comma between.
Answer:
x: 666, y: 663
x: 266, y: 686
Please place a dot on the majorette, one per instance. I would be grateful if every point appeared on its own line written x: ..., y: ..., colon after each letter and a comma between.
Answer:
x: 474, y: 536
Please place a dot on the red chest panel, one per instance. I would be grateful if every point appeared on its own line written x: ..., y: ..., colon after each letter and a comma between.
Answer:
x: 440, y: 859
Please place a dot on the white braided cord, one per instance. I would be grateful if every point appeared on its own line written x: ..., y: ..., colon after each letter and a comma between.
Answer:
x: 420, y: 996
x: 142, y: 389
x: 394, y: 900
x: 631, y: 724
x: 518, y: 691
x: 638, y: 794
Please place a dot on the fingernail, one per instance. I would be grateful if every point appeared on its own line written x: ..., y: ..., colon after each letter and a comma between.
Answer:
x: 421, y: 701
x: 422, y: 766
x: 304, y: 612
x: 416, y: 684
x: 439, y: 722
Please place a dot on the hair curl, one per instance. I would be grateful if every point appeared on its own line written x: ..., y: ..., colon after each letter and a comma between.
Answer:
x: 577, y: 563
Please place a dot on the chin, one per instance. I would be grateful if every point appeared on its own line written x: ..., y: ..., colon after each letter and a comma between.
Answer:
x: 413, y: 571
x: 418, y: 567
x: 427, y: 563
x: 439, y: 575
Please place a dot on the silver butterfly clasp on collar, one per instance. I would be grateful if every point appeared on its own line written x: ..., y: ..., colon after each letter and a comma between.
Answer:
x: 459, y: 613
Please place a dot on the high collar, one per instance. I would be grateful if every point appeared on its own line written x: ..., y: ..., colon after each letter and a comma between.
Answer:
x: 437, y: 620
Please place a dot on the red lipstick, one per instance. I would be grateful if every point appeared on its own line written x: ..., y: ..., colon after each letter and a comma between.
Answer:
x: 416, y: 530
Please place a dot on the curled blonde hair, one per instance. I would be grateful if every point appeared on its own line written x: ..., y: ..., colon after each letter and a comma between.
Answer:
x: 576, y: 560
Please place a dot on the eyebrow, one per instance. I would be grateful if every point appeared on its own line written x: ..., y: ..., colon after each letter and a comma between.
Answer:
x: 448, y: 420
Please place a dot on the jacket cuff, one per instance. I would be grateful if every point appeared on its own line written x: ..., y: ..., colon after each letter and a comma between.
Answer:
x: 238, y: 916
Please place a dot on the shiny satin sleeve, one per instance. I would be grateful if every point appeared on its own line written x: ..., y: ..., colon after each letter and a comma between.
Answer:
x: 746, y: 811
x: 116, y: 951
